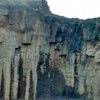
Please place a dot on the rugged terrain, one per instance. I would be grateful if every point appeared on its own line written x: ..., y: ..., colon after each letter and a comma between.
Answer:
x: 45, y: 56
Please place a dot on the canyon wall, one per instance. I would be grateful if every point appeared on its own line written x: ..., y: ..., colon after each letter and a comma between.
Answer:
x: 45, y: 56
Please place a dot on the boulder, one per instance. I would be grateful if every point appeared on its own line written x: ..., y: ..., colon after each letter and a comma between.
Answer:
x: 97, y: 56
x: 90, y: 52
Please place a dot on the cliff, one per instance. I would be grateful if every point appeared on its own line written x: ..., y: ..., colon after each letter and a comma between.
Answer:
x: 45, y: 56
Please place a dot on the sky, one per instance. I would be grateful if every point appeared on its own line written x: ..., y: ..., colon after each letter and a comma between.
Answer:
x: 82, y: 9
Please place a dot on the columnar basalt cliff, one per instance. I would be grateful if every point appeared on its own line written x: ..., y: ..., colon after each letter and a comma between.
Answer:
x: 47, y: 57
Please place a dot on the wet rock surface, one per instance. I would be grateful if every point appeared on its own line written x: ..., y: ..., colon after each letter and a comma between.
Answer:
x: 45, y: 56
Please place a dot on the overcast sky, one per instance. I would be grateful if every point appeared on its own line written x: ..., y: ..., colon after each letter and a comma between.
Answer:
x: 82, y: 9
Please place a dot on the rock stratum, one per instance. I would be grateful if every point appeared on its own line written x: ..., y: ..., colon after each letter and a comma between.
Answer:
x: 45, y: 56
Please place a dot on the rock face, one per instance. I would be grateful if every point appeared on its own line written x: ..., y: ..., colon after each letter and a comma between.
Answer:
x: 47, y: 57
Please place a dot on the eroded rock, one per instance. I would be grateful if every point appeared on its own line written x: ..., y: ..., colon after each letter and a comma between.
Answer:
x: 44, y: 56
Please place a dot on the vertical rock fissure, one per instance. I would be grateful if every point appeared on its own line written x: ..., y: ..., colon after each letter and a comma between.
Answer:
x: 76, y: 49
x: 11, y: 80
x: 21, y: 90
x: 76, y: 80
x: 2, y: 86
x: 31, y: 88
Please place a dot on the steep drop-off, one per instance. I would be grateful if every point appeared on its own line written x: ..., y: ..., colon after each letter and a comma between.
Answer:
x: 47, y: 57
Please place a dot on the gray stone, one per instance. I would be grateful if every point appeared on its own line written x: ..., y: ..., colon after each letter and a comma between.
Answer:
x: 45, y: 56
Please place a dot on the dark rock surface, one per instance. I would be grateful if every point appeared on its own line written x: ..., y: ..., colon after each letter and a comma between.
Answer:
x: 45, y: 56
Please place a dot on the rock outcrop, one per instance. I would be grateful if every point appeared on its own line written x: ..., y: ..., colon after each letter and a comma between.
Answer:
x: 47, y: 57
